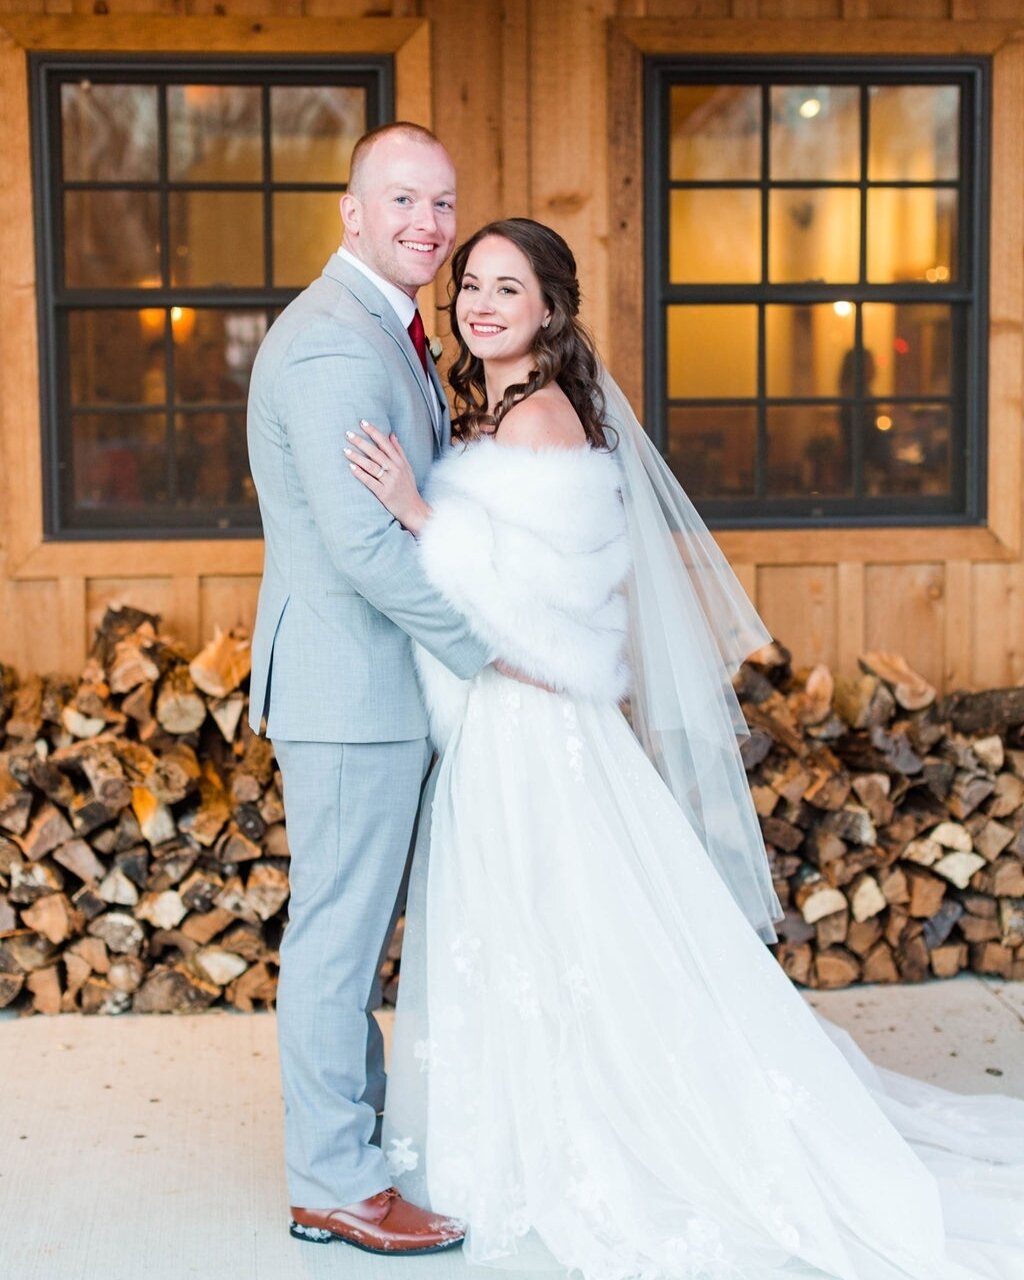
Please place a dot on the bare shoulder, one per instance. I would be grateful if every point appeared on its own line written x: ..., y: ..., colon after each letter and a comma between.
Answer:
x: 545, y: 420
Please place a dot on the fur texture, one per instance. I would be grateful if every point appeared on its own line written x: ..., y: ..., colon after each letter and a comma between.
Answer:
x: 530, y: 545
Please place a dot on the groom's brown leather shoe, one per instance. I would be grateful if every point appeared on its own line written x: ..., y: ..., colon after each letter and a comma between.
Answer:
x: 383, y: 1224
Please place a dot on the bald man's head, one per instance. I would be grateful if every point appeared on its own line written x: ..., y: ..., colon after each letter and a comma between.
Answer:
x: 362, y: 152
x: 399, y: 209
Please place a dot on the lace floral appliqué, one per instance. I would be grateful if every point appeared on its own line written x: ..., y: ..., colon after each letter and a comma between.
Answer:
x: 400, y: 1157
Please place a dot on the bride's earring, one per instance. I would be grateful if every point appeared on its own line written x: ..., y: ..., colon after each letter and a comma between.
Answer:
x: 545, y: 322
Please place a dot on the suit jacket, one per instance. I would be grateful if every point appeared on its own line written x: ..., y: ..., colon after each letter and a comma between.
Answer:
x: 343, y: 588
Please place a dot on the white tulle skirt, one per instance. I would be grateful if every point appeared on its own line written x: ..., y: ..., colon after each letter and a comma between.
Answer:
x: 599, y: 1066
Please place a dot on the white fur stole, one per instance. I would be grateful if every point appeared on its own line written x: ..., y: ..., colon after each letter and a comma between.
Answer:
x: 530, y: 545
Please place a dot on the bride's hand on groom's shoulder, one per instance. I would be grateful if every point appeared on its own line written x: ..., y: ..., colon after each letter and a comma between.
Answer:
x: 379, y: 463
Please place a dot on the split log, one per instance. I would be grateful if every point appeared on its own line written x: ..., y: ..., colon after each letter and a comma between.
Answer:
x: 121, y: 932
x: 993, y: 711
x: 880, y: 964
x: 180, y: 709
x: 10, y: 987
x: 926, y: 891
x: 217, y: 965
x: 54, y: 917
x: 46, y: 990
x: 815, y: 898
x: 98, y: 996
x: 77, y: 856
x: 1003, y: 878
x: 258, y: 985
x: 866, y: 898
x: 223, y: 664
x: 836, y: 967
x: 126, y: 973
x: 174, y: 989
x: 48, y: 829
x: 911, y: 690
x: 949, y: 959
x: 266, y: 889
x: 203, y: 927
x: 162, y: 910
x: 992, y: 958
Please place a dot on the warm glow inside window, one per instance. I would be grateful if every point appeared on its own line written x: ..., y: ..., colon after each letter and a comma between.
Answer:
x: 181, y: 207
x: 816, y: 288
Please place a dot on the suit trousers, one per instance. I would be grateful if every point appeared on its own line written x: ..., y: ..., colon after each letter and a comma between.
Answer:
x: 351, y: 810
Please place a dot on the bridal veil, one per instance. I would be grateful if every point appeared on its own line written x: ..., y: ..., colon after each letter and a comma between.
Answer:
x: 691, y: 625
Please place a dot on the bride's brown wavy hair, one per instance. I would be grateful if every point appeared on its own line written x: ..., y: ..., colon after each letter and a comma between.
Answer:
x: 563, y: 352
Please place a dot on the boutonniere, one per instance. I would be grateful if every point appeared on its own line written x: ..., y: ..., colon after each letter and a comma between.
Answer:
x: 436, y: 348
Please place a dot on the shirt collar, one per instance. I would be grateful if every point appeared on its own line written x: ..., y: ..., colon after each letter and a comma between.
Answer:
x: 403, y: 306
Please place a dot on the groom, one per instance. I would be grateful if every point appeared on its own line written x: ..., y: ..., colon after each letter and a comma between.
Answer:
x: 332, y: 671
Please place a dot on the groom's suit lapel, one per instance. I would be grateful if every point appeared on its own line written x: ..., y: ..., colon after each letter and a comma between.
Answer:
x: 377, y: 305
x: 445, y: 438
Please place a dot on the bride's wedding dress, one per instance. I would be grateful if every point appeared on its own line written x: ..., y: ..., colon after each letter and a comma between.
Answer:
x: 596, y: 1062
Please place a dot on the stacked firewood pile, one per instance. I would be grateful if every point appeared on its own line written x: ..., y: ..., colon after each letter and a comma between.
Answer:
x: 144, y: 859
x: 894, y: 820
x: 143, y: 856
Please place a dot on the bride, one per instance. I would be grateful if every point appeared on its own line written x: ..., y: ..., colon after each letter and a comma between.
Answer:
x: 597, y: 1064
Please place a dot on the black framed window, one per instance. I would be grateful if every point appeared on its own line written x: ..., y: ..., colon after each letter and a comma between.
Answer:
x: 179, y: 204
x: 816, y: 287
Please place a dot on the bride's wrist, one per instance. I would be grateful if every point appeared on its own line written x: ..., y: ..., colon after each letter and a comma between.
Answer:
x: 418, y: 517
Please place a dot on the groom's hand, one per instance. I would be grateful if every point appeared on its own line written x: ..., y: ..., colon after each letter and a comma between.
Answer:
x: 513, y: 673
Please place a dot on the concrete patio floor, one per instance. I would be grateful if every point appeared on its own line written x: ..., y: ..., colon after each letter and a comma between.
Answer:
x: 151, y: 1147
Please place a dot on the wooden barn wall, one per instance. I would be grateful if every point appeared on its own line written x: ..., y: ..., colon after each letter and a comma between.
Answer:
x: 519, y: 95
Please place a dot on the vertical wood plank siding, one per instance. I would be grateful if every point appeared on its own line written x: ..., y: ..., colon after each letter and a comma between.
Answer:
x: 536, y: 105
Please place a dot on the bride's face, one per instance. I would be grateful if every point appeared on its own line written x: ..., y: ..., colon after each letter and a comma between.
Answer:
x: 500, y: 306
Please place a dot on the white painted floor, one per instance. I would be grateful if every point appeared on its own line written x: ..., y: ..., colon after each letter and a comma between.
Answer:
x: 151, y: 1147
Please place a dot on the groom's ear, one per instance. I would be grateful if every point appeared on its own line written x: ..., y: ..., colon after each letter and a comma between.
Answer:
x: 351, y: 213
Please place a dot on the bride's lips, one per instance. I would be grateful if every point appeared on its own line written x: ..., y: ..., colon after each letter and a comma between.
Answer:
x: 485, y: 330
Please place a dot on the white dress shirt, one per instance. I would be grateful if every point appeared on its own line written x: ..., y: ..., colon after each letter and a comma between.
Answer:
x: 404, y: 306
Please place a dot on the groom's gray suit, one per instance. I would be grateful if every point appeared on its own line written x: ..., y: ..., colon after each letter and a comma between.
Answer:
x: 332, y: 672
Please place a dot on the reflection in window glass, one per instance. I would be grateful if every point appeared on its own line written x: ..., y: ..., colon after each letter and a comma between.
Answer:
x: 814, y: 234
x: 112, y: 239
x: 912, y: 234
x: 212, y: 458
x: 109, y: 132
x: 118, y: 461
x: 313, y: 130
x: 711, y: 450
x: 906, y: 449
x: 807, y: 346
x: 715, y: 133
x: 117, y: 357
x: 212, y: 364
x: 712, y: 351
x: 910, y: 345
x: 913, y: 133
x: 216, y: 238
x: 214, y: 133
x: 307, y: 230
x: 815, y: 133
x: 715, y: 235
x: 809, y: 450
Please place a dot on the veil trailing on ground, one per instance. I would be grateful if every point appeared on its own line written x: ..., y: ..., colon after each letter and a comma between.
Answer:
x: 691, y: 625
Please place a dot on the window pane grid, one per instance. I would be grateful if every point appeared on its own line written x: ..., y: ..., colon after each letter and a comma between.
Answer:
x: 926, y: 432
x: 158, y: 446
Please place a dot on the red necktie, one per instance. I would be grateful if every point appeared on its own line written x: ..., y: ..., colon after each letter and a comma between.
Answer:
x: 419, y: 338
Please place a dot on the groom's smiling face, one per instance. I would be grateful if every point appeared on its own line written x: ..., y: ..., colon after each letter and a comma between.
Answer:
x: 399, y: 213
